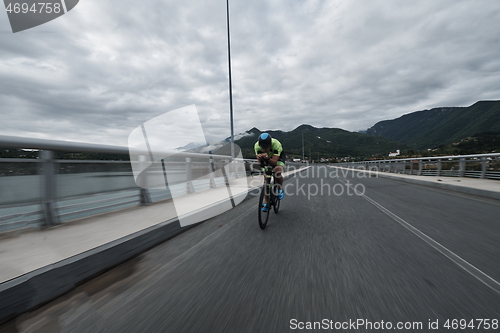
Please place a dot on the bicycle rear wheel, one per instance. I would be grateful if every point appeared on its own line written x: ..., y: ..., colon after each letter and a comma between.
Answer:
x: 263, y: 216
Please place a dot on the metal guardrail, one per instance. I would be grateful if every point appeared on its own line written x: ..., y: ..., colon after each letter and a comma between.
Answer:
x: 60, y: 190
x: 474, y: 166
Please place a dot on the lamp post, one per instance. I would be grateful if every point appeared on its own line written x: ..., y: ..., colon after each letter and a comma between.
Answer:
x: 230, y: 82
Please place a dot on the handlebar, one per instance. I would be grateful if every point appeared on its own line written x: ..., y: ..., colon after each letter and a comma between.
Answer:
x: 266, y: 167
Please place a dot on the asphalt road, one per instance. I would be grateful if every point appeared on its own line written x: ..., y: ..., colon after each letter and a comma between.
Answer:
x: 402, y: 253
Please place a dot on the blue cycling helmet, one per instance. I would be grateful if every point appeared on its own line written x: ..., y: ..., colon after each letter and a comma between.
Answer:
x: 265, y: 140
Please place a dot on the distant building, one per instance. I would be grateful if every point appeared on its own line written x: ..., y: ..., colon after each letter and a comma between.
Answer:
x: 394, y: 154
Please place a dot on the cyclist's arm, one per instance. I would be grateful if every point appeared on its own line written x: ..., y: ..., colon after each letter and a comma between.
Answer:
x: 258, y: 153
x: 274, y: 160
x: 262, y: 158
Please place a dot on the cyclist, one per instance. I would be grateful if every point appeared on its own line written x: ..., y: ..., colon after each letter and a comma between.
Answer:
x: 271, y: 150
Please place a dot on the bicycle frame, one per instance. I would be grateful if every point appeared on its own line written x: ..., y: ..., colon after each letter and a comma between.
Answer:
x: 268, y: 173
x: 268, y: 196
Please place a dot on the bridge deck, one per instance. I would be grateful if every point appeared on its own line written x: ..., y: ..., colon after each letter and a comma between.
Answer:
x: 400, y: 253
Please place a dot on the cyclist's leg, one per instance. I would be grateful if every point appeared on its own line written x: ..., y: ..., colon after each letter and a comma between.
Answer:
x: 278, y: 177
x: 278, y: 174
x: 279, y: 168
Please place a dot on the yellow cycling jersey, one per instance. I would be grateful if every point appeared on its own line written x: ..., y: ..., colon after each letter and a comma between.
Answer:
x: 276, y: 148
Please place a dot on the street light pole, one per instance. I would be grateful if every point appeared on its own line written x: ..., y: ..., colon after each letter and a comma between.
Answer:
x: 230, y: 82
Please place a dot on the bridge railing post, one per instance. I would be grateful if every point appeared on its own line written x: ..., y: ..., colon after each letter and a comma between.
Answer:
x: 144, y: 195
x: 438, y: 172
x: 483, y: 167
x: 420, y: 167
x: 49, y: 188
x: 211, y: 170
x: 225, y: 173
x: 236, y: 168
x: 461, y: 170
x: 189, y: 176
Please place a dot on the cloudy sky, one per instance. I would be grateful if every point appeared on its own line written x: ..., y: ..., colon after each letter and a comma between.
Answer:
x: 107, y: 66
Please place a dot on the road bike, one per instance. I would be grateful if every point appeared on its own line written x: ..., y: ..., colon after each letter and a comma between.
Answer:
x: 270, y: 190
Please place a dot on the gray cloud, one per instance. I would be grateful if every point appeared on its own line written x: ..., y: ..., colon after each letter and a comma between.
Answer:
x: 101, y: 70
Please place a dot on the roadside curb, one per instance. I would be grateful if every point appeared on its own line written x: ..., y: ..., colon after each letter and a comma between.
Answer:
x: 38, y: 287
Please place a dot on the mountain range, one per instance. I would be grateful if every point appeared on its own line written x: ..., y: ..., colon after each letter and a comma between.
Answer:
x: 429, y: 129
x: 322, y: 143
x: 421, y: 130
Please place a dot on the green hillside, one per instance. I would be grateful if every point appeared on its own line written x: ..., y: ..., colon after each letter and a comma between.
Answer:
x: 323, y: 143
x: 481, y: 143
x: 440, y: 126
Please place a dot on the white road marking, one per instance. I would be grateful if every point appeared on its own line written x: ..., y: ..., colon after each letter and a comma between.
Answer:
x: 64, y: 6
x: 471, y: 269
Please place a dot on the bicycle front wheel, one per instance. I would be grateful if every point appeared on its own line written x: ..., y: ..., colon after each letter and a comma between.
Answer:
x: 263, y: 216
x: 276, y: 201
